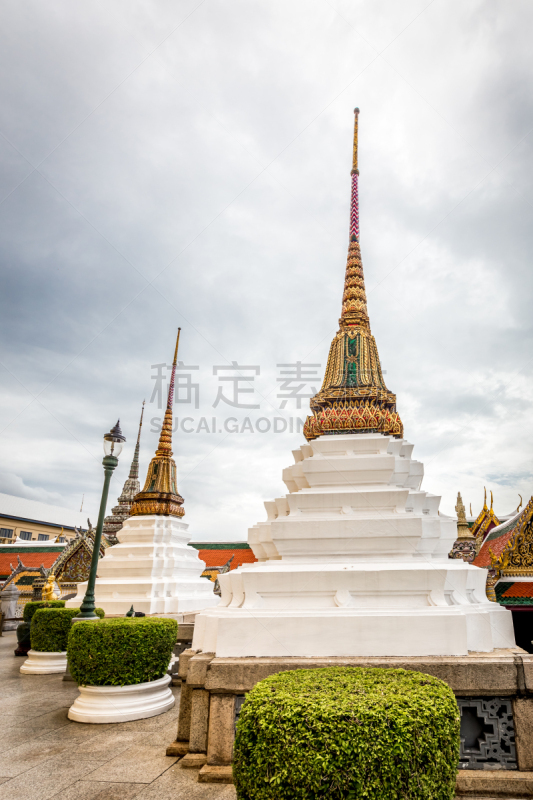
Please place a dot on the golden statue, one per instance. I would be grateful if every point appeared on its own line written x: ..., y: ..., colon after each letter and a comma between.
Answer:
x: 48, y: 589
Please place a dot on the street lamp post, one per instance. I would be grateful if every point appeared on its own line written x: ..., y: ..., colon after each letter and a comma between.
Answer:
x: 113, y: 442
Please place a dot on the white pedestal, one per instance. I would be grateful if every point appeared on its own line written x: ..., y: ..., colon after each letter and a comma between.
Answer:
x: 39, y: 663
x: 353, y: 562
x: 97, y: 704
x: 153, y: 569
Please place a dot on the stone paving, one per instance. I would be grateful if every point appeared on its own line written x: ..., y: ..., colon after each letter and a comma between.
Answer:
x: 45, y: 755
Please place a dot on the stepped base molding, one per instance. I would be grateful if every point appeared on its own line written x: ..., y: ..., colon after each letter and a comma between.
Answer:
x: 100, y: 704
x: 214, y: 688
x: 39, y: 663
x: 153, y: 569
x: 353, y: 562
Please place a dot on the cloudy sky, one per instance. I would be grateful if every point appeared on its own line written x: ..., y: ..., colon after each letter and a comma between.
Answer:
x: 186, y: 163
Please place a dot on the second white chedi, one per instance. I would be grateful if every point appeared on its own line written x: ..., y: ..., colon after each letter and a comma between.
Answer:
x: 353, y: 562
x: 153, y: 568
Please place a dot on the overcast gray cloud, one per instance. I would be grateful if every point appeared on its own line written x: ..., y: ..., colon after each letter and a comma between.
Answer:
x: 187, y: 163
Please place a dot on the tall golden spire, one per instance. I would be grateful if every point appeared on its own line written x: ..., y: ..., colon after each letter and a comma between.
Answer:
x: 353, y: 397
x: 160, y: 493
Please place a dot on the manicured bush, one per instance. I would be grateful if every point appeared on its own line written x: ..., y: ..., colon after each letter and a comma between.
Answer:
x: 120, y: 652
x: 50, y: 628
x: 34, y: 605
x: 347, y: 732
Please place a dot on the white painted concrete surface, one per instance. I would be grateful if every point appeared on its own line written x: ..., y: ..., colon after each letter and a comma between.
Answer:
x: 153, y: 569
x: 353, y: 561
x: 97, y: 704
x: 39, y: 663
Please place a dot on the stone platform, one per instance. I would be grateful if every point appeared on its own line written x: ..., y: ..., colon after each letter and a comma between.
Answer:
x: 497, y: 685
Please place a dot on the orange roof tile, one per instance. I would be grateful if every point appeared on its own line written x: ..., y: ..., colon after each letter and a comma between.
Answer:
x: 217, y: 558
x: 519, y: 589
x: 28, y: 559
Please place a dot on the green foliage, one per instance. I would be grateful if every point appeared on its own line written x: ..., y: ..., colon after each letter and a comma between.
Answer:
x: 50, y: 628
x: 34, y: 605
x: 119, y: 652
x: 350, y: 733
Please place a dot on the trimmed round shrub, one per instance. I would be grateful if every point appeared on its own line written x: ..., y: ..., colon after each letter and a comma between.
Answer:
x: 121, y: 652
x: 50, y: 628
x: 34, y: 605
x: 347, y: 732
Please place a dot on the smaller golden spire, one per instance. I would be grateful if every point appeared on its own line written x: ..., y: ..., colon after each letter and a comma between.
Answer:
x: 165, y: 437
x: 160, y: 493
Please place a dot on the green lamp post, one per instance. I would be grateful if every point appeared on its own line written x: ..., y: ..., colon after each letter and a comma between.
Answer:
x: 113, y: 442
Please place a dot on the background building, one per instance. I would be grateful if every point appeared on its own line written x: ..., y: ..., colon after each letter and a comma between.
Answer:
x: 32, y: 521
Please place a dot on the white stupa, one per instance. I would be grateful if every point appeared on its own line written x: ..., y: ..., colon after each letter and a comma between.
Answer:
x: 354, y: 560
x: 153, y: 569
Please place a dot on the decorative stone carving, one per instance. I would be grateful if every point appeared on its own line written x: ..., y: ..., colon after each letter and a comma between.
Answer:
x: 487, y: 733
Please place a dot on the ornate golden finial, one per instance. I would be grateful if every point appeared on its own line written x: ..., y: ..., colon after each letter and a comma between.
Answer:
x: 160, y: 494
x: 491, y: 500
x: 353, y: 397
x: 519, y: 506
x: 485, y: 506
x: 471, y: 510
x: 465, y: 545
x: 463, y: 531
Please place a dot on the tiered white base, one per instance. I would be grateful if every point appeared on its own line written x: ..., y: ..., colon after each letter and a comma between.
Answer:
x: 353, y: 562
x: 152, y: 569
x: 39, y: 663
x: 122, y: 703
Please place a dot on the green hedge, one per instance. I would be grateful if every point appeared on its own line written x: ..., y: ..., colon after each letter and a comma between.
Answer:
x: 119, y: 652
x: 50, y: 628
x: 34, y: 605
x: 347, y: 732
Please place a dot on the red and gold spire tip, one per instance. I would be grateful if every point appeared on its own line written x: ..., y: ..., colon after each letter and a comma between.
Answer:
x: 353, y: 397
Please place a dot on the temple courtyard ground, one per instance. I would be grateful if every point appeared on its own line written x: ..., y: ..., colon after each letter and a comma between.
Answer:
x: 44, y: 755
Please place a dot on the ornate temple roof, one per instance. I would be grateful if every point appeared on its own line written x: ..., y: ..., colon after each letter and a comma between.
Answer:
x: 160, y: 492
x: 119, y: 514
x: 503, y: 539
x: 485, y: 521
x: 74, y: 563
x: 353, y: 397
